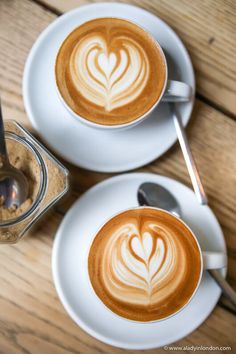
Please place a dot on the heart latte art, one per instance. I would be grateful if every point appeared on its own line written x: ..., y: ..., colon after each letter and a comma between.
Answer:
x: 110, y: 71
x: 109, y: 75
x: 144, y: 264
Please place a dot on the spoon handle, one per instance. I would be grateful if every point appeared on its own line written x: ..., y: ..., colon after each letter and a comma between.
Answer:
x: 191, y: 165
x: 3, y: 150
x: 228, y: 291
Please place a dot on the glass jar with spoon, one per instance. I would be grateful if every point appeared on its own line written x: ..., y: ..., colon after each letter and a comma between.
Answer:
x: 47, y: 182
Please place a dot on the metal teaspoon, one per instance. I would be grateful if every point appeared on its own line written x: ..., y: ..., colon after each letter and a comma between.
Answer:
x: 152, y: 194
x: 13, y: 184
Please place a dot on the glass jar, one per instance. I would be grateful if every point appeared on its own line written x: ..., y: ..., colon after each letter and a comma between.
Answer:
x: 53, y: 183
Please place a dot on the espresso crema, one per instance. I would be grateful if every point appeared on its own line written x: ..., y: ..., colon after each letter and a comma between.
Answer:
x: 144, y: 264
x: 110, y: 71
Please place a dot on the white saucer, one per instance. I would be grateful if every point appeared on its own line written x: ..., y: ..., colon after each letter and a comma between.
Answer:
x: 69, y: 259
x: 90, y: 148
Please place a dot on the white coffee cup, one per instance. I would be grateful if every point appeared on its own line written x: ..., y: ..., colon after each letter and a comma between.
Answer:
x: 172, y: 91
x: 209, y: 260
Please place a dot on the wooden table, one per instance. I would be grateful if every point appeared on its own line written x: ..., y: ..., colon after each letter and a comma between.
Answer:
x: 32, y: 319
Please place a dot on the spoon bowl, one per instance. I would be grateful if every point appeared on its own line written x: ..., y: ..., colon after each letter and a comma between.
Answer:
x: 14, y: 186
x: 154, y: 195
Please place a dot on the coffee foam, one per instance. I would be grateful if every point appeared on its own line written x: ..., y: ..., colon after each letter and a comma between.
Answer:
x: 110, y: 71
x: 110, y: 79
x: 144, y: 264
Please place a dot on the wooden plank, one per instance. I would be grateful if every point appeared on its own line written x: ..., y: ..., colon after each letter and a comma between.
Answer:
x: 17, y: 35
x: 208, y: 30
x: 212, y: 135
x: 32, y: 319
x: 215, y: 157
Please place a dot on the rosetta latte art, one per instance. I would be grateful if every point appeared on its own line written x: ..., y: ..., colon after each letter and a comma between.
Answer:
x: 141, y: 264
x: 109, y: 77
x: 144, y: 266
x: 110, y: 71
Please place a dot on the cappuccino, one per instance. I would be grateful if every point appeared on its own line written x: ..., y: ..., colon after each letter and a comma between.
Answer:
x: 110, y: 71
x: 144, y: 264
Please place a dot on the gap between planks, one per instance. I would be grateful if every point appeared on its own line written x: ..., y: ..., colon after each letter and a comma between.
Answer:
x: 214, y: 105
x: 202, y: 98
x: 61, y: 211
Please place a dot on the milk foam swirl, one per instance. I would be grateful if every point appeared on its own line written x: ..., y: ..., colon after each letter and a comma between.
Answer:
x: 109, y: 72
x: 141, y: 266
x: 144, y: 264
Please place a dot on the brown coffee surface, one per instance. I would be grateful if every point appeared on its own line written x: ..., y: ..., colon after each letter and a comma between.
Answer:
x: 110, y: 71
x: 144, y: 264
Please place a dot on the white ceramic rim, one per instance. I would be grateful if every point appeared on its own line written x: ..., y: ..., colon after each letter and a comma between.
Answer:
x: 115, y: 126
x: 199, y: 249
x: 29, y: 106
x: 71, y: 311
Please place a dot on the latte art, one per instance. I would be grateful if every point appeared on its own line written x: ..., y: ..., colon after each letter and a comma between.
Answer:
x: 109, y: 75
x: 142, y: 264
x: 141, y: 267
x: 110, y: 71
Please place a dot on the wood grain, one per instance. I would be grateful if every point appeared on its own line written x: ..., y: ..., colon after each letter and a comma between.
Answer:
x: 207, y: 28
x: 32, y: 320
x: 211, y: 151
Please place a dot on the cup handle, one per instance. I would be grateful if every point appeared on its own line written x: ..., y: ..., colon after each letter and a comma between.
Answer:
x: 177, y: 91
x: 214, y: 260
